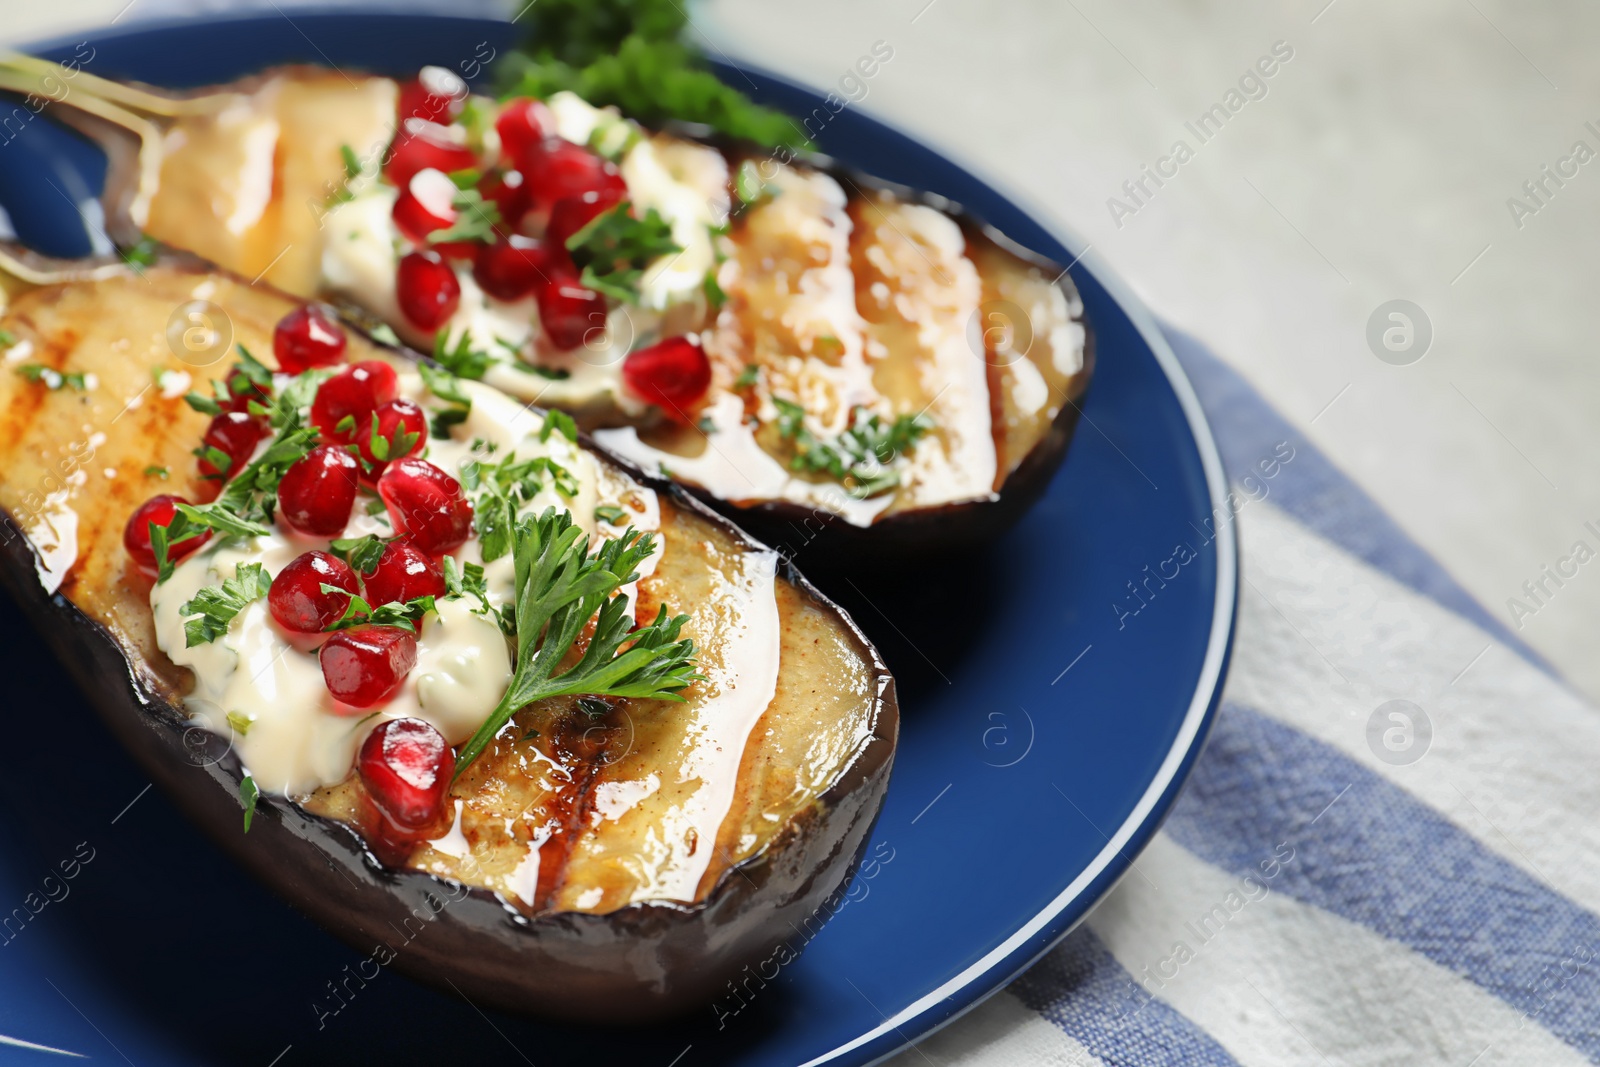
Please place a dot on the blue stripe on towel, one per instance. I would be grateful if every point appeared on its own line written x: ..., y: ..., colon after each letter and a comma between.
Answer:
x: 1082, y: 989
x: 1320, y: 495
x: 1381, y: 858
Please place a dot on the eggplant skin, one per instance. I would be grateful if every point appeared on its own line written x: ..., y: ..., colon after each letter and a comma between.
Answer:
x: 641, y: 962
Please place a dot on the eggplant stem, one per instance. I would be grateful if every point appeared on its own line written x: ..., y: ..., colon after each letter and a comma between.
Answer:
x: 108, y: 113
x: 128, y: 97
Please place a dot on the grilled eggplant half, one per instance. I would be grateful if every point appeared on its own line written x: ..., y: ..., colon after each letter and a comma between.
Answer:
x: 613, y: 858
x: 824, y: 356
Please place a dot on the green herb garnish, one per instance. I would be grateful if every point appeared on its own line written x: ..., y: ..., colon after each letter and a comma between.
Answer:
x: 53, y: 379
x: 141, y: 254
x: 631, y: 53
x: 715, y: 297
x: 215, y: 606
x: 560, y: 586
x: 397, y: 444
x: 157, y: 472
x: 461, y: 359
x: 498, y: 489
x: 559, y: 422
x: 475, y: 219
x: 748, y: 376
x: 610, y: 513
x: 615, y: 248
x: 360, y: 613
x: 447, y: 387
x: 360, y: 552
x: 249, y: 794
x: 861, y: 457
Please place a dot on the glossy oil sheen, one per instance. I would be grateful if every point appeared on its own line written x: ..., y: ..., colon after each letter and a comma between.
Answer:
x: 976, y: 841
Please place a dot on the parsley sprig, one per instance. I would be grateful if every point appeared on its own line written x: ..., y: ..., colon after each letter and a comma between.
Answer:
x: 615, y: 248
x: 560, y: 586
x: 862, y: 457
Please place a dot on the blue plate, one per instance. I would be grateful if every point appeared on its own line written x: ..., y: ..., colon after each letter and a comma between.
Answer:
x: 1055, y: 694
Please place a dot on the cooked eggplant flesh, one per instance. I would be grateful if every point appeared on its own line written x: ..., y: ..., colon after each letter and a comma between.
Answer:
x: 801, y: 283
x: 777, y: 758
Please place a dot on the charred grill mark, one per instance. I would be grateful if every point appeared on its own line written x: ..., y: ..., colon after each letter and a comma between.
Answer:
x: 584, y: 744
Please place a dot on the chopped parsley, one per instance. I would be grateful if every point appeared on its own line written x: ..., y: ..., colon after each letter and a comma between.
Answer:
x: 715, y: 297
x: 447, y: 387
x: 611, y: 513
x: 360, y: 613
x: 460, y: 359
x: 862, y: 457
x: 248, y: 795
x: 475, y: 219
x: 560, y: 587
x: 615, y: 248
x: 499, y: 488
x: 53, y: 379
x: 559, y: 422
x: 215, y: 606
x: 157, y: 472
x: 398, y: 443
x: 360, y: 552
x: 141, y: 254
x: 750, y: 187
x: 466, y: 579
x: 748, y: 376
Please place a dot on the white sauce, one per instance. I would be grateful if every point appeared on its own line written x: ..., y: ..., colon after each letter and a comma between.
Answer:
x: 295, y: 736
x: 735, y: 467
x: 735, y: 694
x: 362, y: 248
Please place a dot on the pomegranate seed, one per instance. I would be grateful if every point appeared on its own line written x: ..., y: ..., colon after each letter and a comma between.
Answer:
x: 427, y: 290
x: 235, y: 435
x: 571, y: 214
x: 563, y: 169
x: 425, y: 205
x: 523, y: 125
x: 296, y: 598
x: 403, y: 573
x: 437, y: 95
x: 397, y: 420
x: 317, y: 493
x: 511, y: 268
x: 354, y: 393
x: 406, y: 767
x: 423, y: 145
x: 366, y: 665
x: 508, y: 192
x: 307, y: 337
x: 157, y: 511
x: 569, y: 311
x: 672, y: 374
x: 427, y: 504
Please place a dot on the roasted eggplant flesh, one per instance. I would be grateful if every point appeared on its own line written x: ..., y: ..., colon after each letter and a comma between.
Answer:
x: 601, y: 859
x: 860, y: 353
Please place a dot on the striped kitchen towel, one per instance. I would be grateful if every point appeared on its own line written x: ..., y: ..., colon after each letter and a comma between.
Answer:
x: 1387, y: 853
